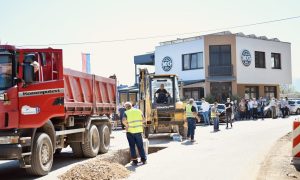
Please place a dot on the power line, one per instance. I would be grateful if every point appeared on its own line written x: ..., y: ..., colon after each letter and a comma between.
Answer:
x: 161, y: 36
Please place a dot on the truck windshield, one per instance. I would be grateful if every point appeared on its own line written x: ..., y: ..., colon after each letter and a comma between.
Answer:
x: 5, y: 72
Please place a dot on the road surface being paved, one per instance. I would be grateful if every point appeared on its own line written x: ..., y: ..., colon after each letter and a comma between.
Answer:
x: 228, y: 154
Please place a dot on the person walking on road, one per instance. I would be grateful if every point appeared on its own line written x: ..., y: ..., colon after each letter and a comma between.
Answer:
x: 133, y: 121
x: 273, y: 108
x: 205, y: 109
x: 214, y: 114
x: 191, y: 115
x: 228, y: 107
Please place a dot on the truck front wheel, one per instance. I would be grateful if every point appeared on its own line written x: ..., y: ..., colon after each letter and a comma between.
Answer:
x: 104, y: 138
x: 91, y: 148
x: 42, y: 155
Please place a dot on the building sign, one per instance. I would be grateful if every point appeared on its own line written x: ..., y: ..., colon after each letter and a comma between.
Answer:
x: 246, y: 57
x: 166, y: 63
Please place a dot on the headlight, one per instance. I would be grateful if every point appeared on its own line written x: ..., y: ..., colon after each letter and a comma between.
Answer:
x: 9, y: 139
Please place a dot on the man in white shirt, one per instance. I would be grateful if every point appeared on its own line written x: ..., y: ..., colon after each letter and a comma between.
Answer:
x: 205, y: 109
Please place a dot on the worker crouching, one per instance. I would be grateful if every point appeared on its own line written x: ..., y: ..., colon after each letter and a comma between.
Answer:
x: 133, y: 121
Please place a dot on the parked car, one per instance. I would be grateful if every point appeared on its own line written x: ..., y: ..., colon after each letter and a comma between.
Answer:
x: 294, y: 106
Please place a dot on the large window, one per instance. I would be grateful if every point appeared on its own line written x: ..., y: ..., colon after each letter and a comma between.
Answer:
x: 251, y: 92
x: 260, y: 59
x: 220, y: 55
x: 270, y: 91
x: 221, y: 90
x: 192, y: 61
x: 275, y: 60
x: 195, y: 93
x: 220, y: 60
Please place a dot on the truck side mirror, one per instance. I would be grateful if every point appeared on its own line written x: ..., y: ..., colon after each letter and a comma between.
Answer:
x: 28, y: 74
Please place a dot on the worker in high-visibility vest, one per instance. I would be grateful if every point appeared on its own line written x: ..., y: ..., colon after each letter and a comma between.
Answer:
x: 214, y: 114
x: 133, y: 121
x: 191, y: 116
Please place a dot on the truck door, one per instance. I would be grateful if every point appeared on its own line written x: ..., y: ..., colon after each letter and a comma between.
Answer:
x: 41, y: 95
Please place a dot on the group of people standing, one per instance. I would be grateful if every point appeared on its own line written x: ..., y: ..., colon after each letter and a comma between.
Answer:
x: 250, y: 108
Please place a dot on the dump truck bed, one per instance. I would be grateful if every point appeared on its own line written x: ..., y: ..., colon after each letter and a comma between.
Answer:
x: 85, y: 94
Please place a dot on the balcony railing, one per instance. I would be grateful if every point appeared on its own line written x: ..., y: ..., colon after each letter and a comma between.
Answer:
x: 220, y: 70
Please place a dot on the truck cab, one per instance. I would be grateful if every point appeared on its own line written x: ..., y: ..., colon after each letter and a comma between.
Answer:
x: 45, y: 107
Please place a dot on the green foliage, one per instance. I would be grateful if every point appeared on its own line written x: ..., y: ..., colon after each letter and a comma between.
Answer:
x: 210, y: 99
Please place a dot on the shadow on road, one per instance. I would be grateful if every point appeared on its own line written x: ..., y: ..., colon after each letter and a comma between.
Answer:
x: 11, y: 170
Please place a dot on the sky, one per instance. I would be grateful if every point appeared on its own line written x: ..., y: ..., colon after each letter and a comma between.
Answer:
x: 33, y: 22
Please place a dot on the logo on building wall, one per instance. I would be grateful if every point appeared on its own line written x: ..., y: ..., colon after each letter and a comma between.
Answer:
x: 246, y: 57
x: 166, y: 63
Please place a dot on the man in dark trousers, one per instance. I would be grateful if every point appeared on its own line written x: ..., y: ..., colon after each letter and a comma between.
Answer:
x: 228, y: 107
x: 133, y: 121
x: 162, y: 94
x: 191, y: 116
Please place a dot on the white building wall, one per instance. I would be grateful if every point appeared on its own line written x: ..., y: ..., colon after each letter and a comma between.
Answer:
x: 251, y: 75
x: 175, y: 52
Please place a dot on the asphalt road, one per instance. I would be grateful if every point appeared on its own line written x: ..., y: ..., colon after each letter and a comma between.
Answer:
x: 228, y: 154
x: 231, y: 154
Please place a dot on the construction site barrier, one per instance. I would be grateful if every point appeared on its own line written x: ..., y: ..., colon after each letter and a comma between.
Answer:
x: 296, y: 143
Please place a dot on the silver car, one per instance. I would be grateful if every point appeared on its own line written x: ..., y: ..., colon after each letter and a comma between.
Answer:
x: 294, y: 105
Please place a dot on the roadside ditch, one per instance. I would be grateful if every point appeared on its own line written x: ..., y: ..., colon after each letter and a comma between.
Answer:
x: 106, y: 166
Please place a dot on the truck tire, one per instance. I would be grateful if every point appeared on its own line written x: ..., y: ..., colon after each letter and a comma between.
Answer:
x: 146, y: 132
x: 77, y: 149
x: 104, y: 138
x: 42, y: 155
x: 91, y: 148
x: 297, y: 167
x: 298, y: 111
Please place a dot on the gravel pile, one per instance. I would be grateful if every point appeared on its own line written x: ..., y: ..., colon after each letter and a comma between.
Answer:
x: 107, y: 166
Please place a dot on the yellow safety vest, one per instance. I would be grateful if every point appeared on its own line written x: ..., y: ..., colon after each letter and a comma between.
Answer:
x: 213, y: 114
x: 135, y: 120
x: 188, y: 111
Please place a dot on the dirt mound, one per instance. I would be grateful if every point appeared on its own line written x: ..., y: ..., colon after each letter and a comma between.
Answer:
x: 108, y: 166
x: 96, y: 170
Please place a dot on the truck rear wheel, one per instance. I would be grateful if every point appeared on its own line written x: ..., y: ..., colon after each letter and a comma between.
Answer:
x: 42, y: 155
x: 91, y: 148
x: 104, y: 138
x: 77, y: 149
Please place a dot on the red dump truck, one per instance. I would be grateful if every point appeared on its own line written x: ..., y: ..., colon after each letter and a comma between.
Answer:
x: 45, y: 107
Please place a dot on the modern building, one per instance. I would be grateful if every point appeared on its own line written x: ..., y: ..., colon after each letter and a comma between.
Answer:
x: 224, y: 64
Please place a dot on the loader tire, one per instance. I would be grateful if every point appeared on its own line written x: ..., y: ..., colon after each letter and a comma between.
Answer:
x: 104, y: 138
x: 42, y: 155
x: 91, y: 148
x: 77, y: 149
x: 181, y: 130
x: 146, y: 132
